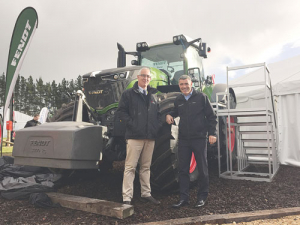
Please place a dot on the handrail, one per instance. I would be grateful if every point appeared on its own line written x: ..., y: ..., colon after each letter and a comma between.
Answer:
x: 266, y: 110
x: 267, y: 83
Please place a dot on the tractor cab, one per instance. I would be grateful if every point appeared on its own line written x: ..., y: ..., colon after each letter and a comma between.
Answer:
x: 182, y: 56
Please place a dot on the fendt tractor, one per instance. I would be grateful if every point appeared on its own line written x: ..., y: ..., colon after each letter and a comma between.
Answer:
x: 87, y: 133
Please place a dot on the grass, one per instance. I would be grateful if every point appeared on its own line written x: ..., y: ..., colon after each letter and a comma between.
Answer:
x: 6, y: 150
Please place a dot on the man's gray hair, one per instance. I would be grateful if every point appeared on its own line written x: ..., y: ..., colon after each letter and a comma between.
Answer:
x: 185, y: 77
x: 145, y: 67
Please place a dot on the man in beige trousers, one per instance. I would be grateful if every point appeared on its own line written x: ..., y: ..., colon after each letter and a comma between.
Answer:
x: 138, y: 107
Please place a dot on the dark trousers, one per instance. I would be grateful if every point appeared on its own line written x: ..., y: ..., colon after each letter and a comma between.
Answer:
x: 185, y: 149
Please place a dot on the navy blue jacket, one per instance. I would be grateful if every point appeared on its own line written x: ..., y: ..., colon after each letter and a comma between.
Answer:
x: 140, y: 112
x: 197, y: 117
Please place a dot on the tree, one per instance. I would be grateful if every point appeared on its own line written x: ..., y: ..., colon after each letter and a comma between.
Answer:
x: 78, y: 83
x: 23, y: 94
x: 2, y: 89
x: 17, y: 100
x: 71, y: 88
x: 40, y: 93
x: 30, y: 108
x: 30, y: 97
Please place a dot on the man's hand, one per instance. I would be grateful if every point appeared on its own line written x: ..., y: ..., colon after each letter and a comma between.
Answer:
x: 212, y: 139
x: 169, y: 119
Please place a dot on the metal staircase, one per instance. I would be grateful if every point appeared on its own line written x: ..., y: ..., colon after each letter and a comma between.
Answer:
x: 255, y: 132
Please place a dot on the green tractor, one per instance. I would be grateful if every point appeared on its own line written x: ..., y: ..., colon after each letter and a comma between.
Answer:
x: 98, y: 102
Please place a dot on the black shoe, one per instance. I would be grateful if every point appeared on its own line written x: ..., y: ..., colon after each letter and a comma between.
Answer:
x: 200, y: 203
x: 179, y: 204
x: 127, y: 202
x: 150, y: 199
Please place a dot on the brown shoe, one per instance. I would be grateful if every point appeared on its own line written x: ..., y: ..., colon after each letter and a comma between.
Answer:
x: 150, y: 199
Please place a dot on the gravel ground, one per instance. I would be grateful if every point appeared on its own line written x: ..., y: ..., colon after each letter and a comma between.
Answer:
x: 226, y: 196
x: 288, y: 220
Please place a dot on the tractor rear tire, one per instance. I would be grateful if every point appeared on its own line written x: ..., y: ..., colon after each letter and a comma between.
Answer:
x: 164, y: 168
x: 65, y: 113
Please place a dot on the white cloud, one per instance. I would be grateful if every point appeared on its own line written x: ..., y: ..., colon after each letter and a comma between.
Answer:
x: 296, y: 44
x: 75, y: 37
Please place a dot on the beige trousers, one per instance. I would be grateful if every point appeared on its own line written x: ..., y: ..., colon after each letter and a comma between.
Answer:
x: 138, y: 151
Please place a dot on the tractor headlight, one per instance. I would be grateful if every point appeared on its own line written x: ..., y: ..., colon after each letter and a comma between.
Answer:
x: 178, y: 39
x: 114, y: 76
x: 142, y: 47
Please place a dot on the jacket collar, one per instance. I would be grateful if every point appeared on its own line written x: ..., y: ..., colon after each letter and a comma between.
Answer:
x: 193, y: 94
x: 149, y: 89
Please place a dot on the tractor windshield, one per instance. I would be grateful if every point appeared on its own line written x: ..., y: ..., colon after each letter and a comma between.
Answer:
x: 167, y: 58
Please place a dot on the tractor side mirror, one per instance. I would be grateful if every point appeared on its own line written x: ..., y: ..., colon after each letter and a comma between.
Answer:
x: 134, y: 62
x: 170, y: 69
x: 202, y: 50
x: 208, y: 80
x: 195, y: 82
x: 191, y: 73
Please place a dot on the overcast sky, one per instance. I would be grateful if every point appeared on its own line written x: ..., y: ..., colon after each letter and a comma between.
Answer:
x: 76, y: 37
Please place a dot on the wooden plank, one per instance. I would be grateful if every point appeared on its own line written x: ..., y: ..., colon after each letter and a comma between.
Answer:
x: 102, y: 207
x: 8, y: 142
x: 231, y: 217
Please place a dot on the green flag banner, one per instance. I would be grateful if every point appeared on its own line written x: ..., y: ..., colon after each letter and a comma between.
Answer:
x: 25, y: 27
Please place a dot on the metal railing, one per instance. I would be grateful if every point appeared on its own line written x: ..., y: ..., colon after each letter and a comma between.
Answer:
x: 266, y: 155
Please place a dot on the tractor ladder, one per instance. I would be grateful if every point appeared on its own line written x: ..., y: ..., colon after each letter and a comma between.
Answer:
x: 254, y: 156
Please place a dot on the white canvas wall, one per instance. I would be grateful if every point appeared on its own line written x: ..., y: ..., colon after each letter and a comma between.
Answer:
x: 20, y: 119
x: 288, y: 114
x: 285, y: 78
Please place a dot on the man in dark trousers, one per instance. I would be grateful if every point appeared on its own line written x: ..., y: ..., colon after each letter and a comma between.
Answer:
x: 34, y: 121
x: 139, y: 109
x: 197, y: 118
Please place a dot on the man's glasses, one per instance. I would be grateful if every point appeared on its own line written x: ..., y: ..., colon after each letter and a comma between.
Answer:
x: 145, y: 76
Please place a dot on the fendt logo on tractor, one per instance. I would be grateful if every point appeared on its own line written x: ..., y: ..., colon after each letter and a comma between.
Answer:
x: 95, y: 137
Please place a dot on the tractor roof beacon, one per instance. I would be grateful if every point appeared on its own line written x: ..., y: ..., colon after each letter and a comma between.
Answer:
x: 99, y: 101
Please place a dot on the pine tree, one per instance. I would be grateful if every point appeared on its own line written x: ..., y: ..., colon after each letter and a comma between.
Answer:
x: 30, y: 101
x: 78, y: 83
x: 71, y: 88
x: 47, y: 95
x: 30, y: 97
x: 54, y: 96
x: 17, y: 100
x: 23, y: 94
x: 40, y: 93
x: 2, y: 89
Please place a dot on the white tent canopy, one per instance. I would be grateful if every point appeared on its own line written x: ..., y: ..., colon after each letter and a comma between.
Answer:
x: 20, y: 121
x: 285, y: 79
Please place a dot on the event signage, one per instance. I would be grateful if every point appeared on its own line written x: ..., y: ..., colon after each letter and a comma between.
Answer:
x: 23, y: 32
x: 25, y: 27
